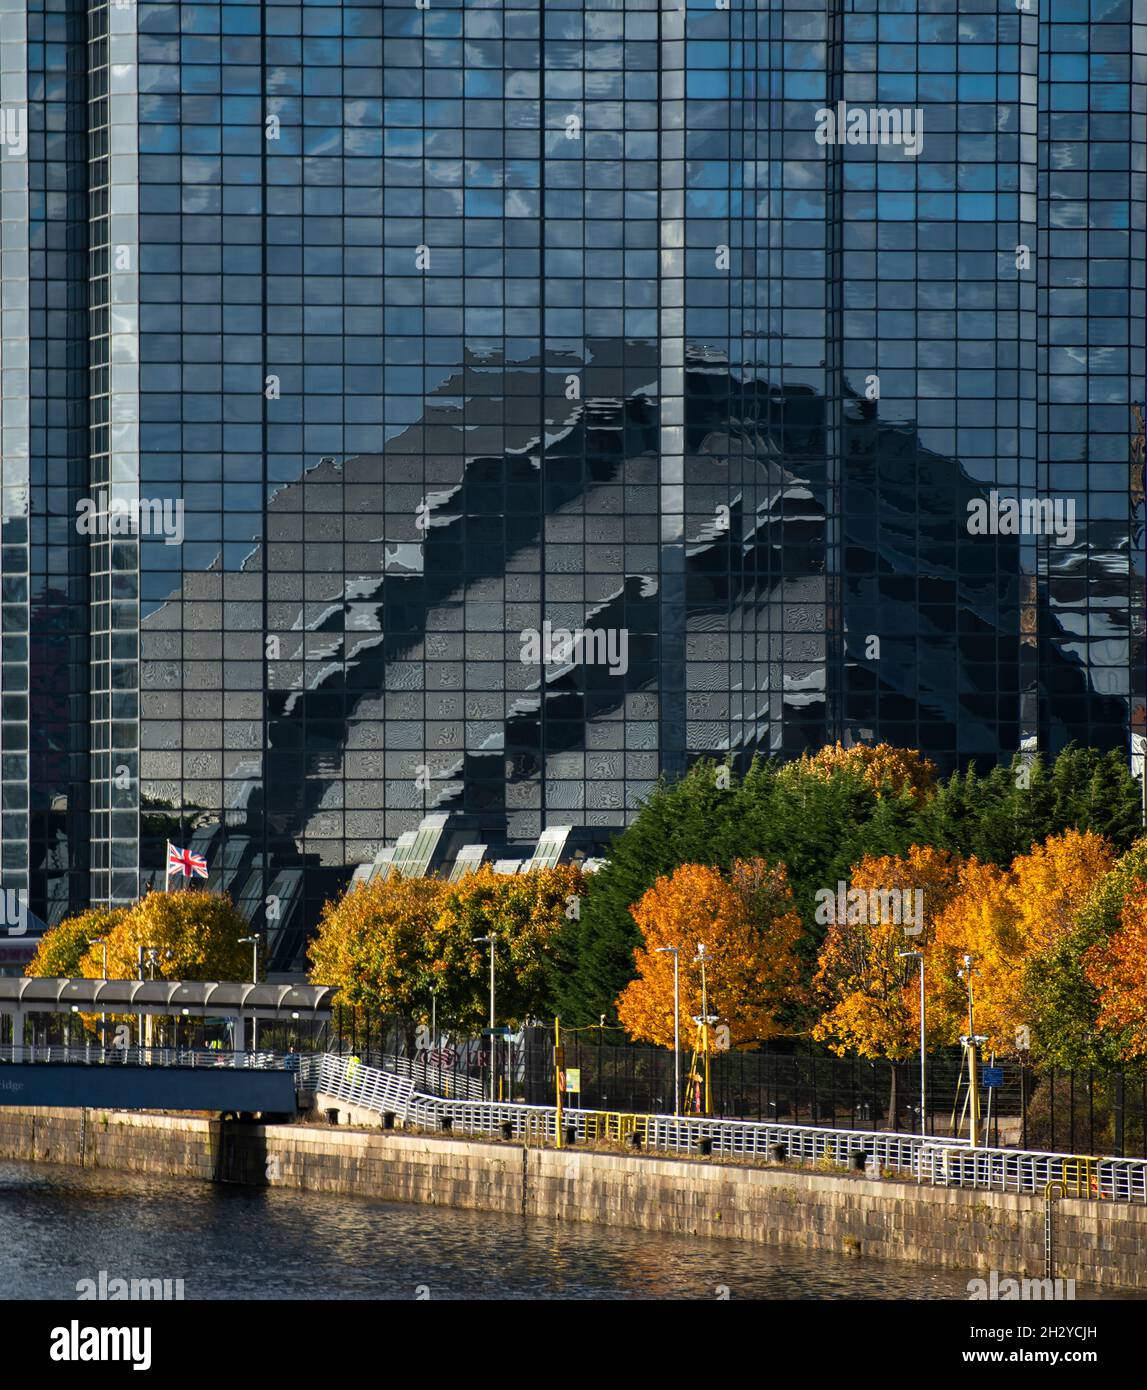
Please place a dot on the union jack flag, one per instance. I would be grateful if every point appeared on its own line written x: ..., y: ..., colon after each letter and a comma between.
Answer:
x: 182, y: 861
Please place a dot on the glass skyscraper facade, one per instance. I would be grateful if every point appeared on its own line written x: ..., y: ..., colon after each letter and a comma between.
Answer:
x: 524, y: 400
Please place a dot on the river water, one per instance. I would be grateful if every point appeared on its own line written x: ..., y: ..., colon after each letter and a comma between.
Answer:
x: 60, y: 1225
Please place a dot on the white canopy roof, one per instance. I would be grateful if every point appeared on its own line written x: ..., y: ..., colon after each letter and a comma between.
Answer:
x: 52, y: 995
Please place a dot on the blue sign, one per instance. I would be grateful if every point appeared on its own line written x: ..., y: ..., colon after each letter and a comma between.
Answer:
x: 992, y: 1076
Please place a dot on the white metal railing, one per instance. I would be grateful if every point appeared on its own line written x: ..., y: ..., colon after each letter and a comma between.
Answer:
x: 346, y: 1079
x: 940, y: 1161
x: 93, y: 1055
x: 1010, y: 1170
x: 310, y: 1067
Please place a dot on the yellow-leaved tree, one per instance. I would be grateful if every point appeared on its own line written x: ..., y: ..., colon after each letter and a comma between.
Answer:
x: 525, y: 913
x: 62, y: 950
x: 750, y: 929
x: 389, y: 944
x: 373, y: 943
x: 186, y: 936
x: 869, y: 994
x: 1004, y: 920
x: 195, y: 936
x: 979, y: 920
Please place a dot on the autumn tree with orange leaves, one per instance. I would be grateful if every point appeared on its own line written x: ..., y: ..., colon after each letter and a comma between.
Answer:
x: 1004, y: 919
x: 868, y: 993
x: 750, y: 930
x: 1117, y: 970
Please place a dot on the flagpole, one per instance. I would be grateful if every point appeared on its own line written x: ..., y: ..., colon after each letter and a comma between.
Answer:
x: 167, y: 867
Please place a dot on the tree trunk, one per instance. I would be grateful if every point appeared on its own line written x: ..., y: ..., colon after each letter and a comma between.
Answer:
x: 892, y: 1099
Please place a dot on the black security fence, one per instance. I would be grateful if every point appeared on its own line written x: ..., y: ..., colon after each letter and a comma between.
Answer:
x: 787, y: 1080
x: 794, y: 1081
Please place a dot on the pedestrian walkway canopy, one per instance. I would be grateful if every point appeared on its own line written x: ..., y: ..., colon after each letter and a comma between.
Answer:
x: 206, y: 998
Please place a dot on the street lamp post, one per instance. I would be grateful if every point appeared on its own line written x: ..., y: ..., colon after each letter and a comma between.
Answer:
x: 919, y: 955
x: 705, y: 1021
x: 434, y: 1034
x: 152, y: 955
x: 489, y: 941
x: 676, y: 954
x: 253, y: 942
x: 967, y: 974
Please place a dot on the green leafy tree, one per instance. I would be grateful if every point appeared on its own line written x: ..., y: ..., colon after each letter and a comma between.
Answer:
x: 997, y: 816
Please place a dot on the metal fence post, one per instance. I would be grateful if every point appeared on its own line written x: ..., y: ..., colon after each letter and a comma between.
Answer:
x: 1023, y: 1106
x: 1052, y: 1107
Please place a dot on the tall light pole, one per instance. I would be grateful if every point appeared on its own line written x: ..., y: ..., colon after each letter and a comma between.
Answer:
x: 152, y: 953
x: 676, y: 954
x: 705, y: 1021
x: 253, y: 942
x: 102, y: 941
x: 967, y: 974
x: 919, y: 955
x: 489, y: 941
x: 434, y: 1033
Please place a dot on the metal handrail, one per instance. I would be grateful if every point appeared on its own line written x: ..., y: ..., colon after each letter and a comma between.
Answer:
x: 29, y: 1054
x: 940, y: 1161
x: 346, y: 1079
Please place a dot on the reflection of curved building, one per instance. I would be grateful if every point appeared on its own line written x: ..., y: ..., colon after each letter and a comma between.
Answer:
x: 756, y: 570
x: 504, y: 323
